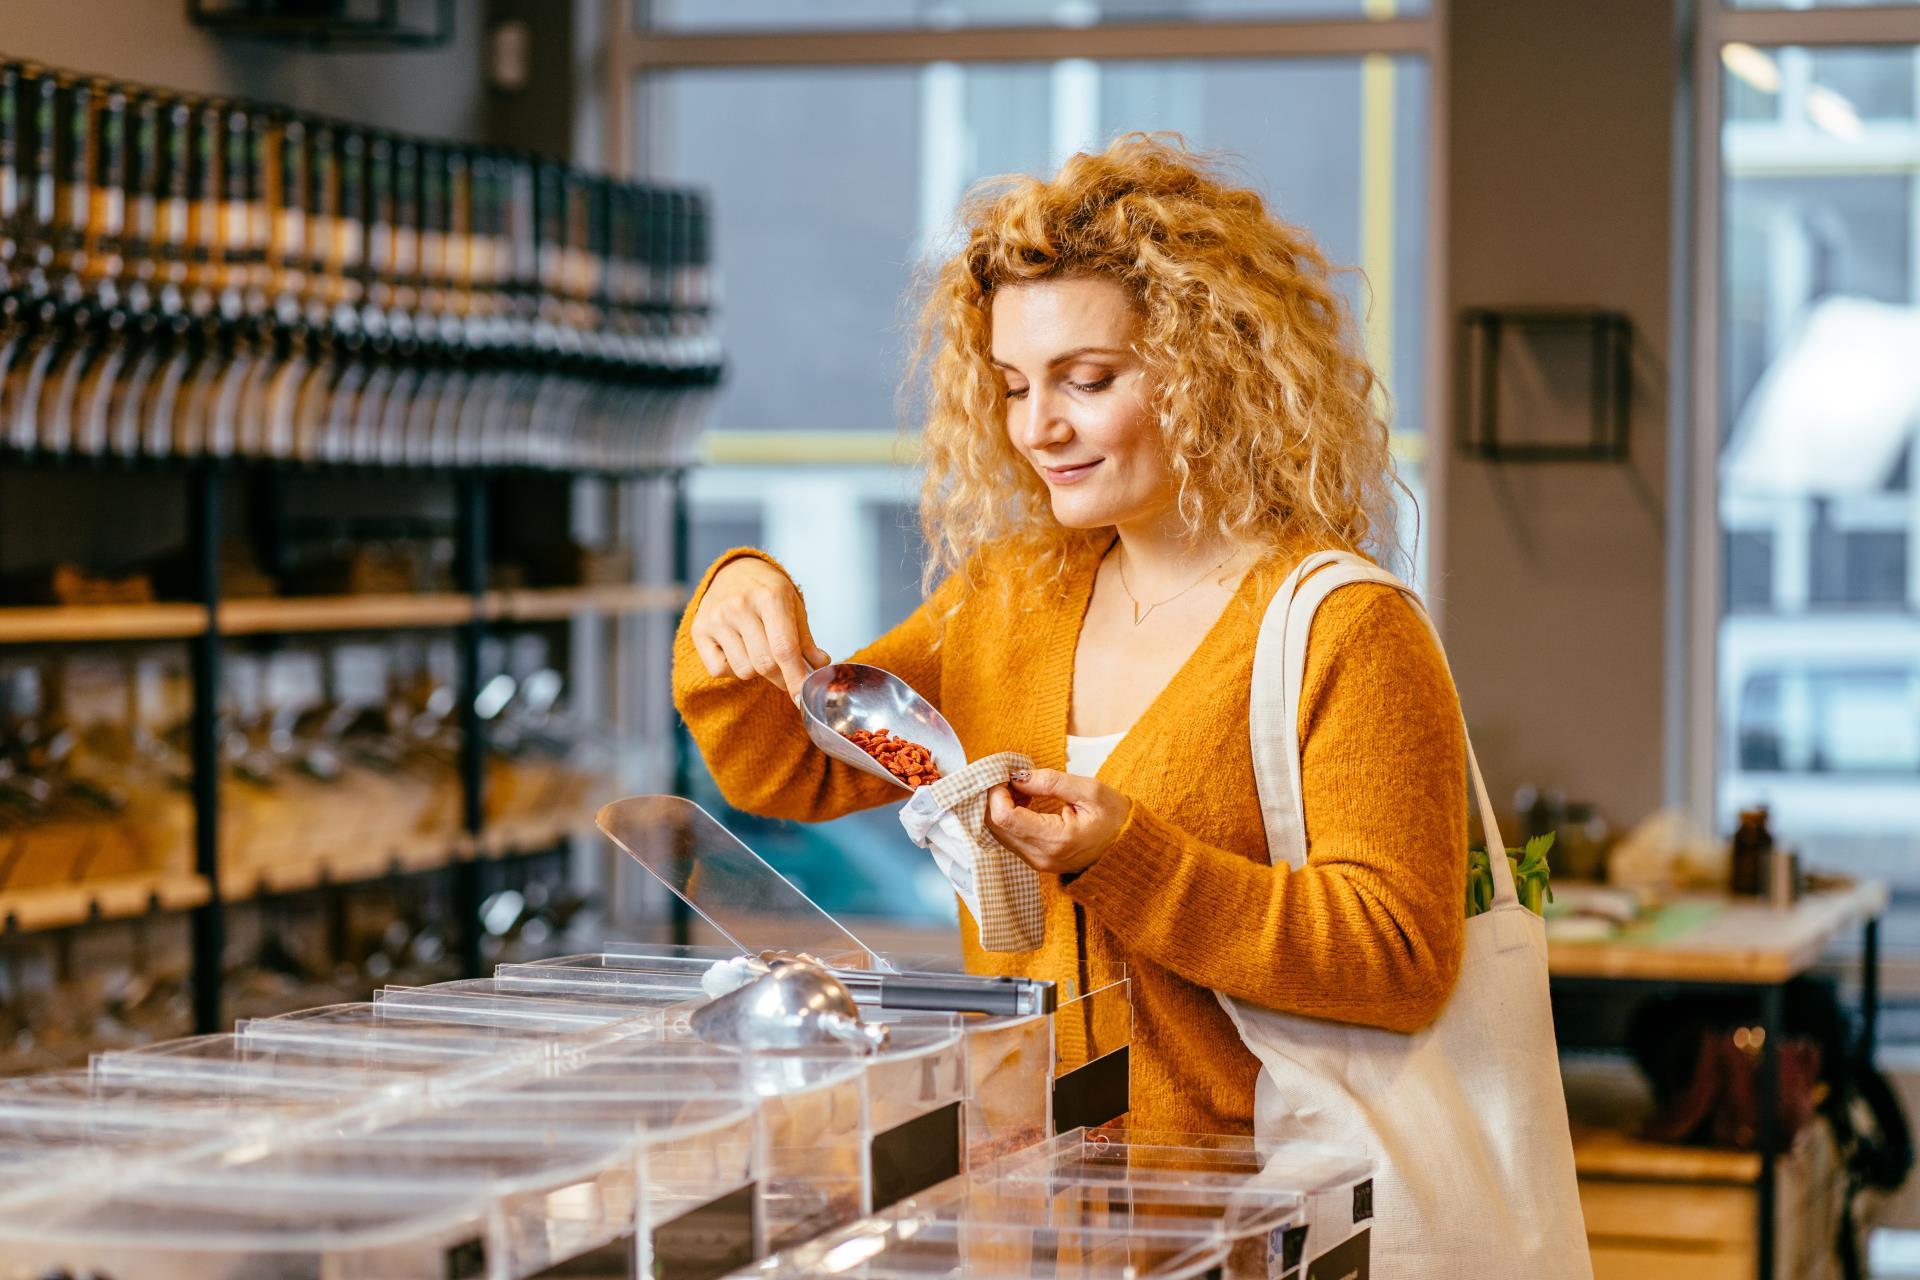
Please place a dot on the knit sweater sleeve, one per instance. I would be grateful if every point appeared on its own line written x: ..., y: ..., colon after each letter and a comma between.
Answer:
x: 751, y: 735
x: 1371, y: 929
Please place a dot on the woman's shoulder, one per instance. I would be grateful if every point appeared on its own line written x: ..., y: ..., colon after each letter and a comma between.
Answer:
x: 1382, y: 614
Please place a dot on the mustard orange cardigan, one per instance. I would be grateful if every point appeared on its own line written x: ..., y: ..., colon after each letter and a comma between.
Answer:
x: 1370, y: 931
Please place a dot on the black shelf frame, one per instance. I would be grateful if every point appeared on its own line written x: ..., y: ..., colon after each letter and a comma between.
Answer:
x: 204, y: 484
x: 343, y: 27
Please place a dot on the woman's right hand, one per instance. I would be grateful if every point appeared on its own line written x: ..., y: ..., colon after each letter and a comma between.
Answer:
x: 751, y: 622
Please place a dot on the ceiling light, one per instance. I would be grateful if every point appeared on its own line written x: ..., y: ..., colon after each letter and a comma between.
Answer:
x: 1751, y: 65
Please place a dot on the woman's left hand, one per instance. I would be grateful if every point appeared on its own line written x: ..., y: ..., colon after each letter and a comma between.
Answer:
x: 1064, y: 843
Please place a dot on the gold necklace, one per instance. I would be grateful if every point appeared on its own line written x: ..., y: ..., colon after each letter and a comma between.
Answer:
x: 1140, y: 615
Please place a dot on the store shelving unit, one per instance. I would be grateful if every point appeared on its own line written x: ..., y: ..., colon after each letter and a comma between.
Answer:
x: 83, y: 623
x: 208, y: 623
x: 117, y: 898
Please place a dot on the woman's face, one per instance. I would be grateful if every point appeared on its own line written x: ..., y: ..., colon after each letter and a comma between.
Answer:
x: 1077, y: 402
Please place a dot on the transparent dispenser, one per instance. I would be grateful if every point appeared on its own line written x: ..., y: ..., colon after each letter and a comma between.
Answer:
x: 1260, y: 1213
x: 1334, y: 1181
x: 72, y: 1124
x: 310, y: 1068
x: 911, y: 1095
x: 455, y: 1037
x: 196, y: 1225
x: 920, y: 1245
x: 1005, y: 1022
x: 812, y: 1113
x: 563, y: 1173
x: 660, y: 1166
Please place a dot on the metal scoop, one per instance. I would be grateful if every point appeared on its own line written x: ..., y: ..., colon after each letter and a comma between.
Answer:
x: 794, y: 1006
x: 844, y: 696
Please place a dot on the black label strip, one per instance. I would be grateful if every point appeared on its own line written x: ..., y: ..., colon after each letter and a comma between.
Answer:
x: 710, y: 1241
x: 467, y: 1260
x: 916, y: 1155
x: 704, y: 1243
x: 1293, y: 1247
x: 611, y: 1261
x: 1095, y: 1094
x: 1352, y: 1259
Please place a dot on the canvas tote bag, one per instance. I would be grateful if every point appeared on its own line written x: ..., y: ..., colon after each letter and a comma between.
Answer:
x: 1466, y: 1117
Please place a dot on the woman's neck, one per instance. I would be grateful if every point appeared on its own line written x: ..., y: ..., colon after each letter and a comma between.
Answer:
x: 1161, y: 557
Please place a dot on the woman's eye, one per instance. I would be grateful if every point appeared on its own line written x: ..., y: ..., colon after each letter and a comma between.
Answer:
x: 1014, y: 393
x: 1101, y: 385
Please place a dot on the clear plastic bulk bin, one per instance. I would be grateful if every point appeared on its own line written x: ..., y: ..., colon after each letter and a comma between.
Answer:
x: 1258, y: 1212
x: 922, y: 1245
x: 192, y: 1226
x: 72, y: 1124
x: 1334, y: 1181
x: 319, y: 1067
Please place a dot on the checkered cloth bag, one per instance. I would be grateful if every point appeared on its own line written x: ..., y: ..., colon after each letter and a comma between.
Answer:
x: 1006, y: 891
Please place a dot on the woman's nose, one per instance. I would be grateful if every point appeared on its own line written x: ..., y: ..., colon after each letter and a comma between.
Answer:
x: 1046, y: 420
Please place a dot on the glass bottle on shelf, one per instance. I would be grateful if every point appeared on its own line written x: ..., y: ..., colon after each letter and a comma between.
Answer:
x: 121, y: 386
x: 347, y: 291
x: 241, y: 341
x: 381, y: 409
x: 189, y: 393
x: 152, y: 399
x: 1752, y: 845
x: 313, y: 401
x: 65, y: 327
x: 13, y: 184
x: 19, y: 233
x: 86, y: 398
x: 354, y: 411
x: 284, y: 211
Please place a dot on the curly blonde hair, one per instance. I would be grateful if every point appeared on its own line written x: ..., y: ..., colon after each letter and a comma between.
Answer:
x: 1254, y: 374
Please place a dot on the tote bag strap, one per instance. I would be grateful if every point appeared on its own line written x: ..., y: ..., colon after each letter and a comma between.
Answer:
x: 1279, y: 674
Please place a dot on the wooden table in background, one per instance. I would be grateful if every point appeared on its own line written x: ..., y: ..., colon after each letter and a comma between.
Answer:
x: 1739, y: 947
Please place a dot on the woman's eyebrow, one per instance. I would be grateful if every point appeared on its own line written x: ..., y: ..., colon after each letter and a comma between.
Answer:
x: 1067, y: 357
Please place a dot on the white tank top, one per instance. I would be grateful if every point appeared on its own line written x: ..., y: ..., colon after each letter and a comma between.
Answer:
x: 1086, y: 755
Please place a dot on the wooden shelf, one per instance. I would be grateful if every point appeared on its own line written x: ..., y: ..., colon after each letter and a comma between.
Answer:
x: 65, y: 624
x: 119, y: 898
x: 1607, y: 1153
x: 254, y: 880
x: 343, y: 613
x: 549, y: 604
x: 526, y: 835
x: 82, y: 622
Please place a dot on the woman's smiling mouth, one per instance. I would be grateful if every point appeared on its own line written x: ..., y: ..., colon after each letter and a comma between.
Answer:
x: 1071, y: 474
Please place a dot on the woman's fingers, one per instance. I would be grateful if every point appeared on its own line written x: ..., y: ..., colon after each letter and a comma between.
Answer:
x: 1067, y: 787
x: 815, y: 654
x: 753, y: 636
x: 1018, y: 823
x: 784, y: 645
x: 712, y: 656
x: 734, y: 648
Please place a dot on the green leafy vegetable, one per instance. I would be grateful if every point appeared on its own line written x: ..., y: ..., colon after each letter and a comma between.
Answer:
x: 1530, y: 878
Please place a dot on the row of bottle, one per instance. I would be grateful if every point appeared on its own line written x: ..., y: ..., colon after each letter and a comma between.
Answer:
x: 197, y: 276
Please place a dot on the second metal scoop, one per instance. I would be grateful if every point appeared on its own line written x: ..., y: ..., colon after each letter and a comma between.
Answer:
x: 844, y: 696
x: 795, y: 1005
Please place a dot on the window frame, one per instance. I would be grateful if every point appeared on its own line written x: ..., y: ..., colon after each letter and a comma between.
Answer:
x: 631, y: 53
x: 1695, y: 571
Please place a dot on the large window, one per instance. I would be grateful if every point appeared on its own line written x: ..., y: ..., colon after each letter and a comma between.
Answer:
x: 836, y: 167
x: 1809, y: 378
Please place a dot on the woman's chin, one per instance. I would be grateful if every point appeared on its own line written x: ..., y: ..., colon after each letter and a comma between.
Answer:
x: 1070, y: 513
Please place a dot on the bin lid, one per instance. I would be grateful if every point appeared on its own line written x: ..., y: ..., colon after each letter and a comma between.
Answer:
x: 728, y: 885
